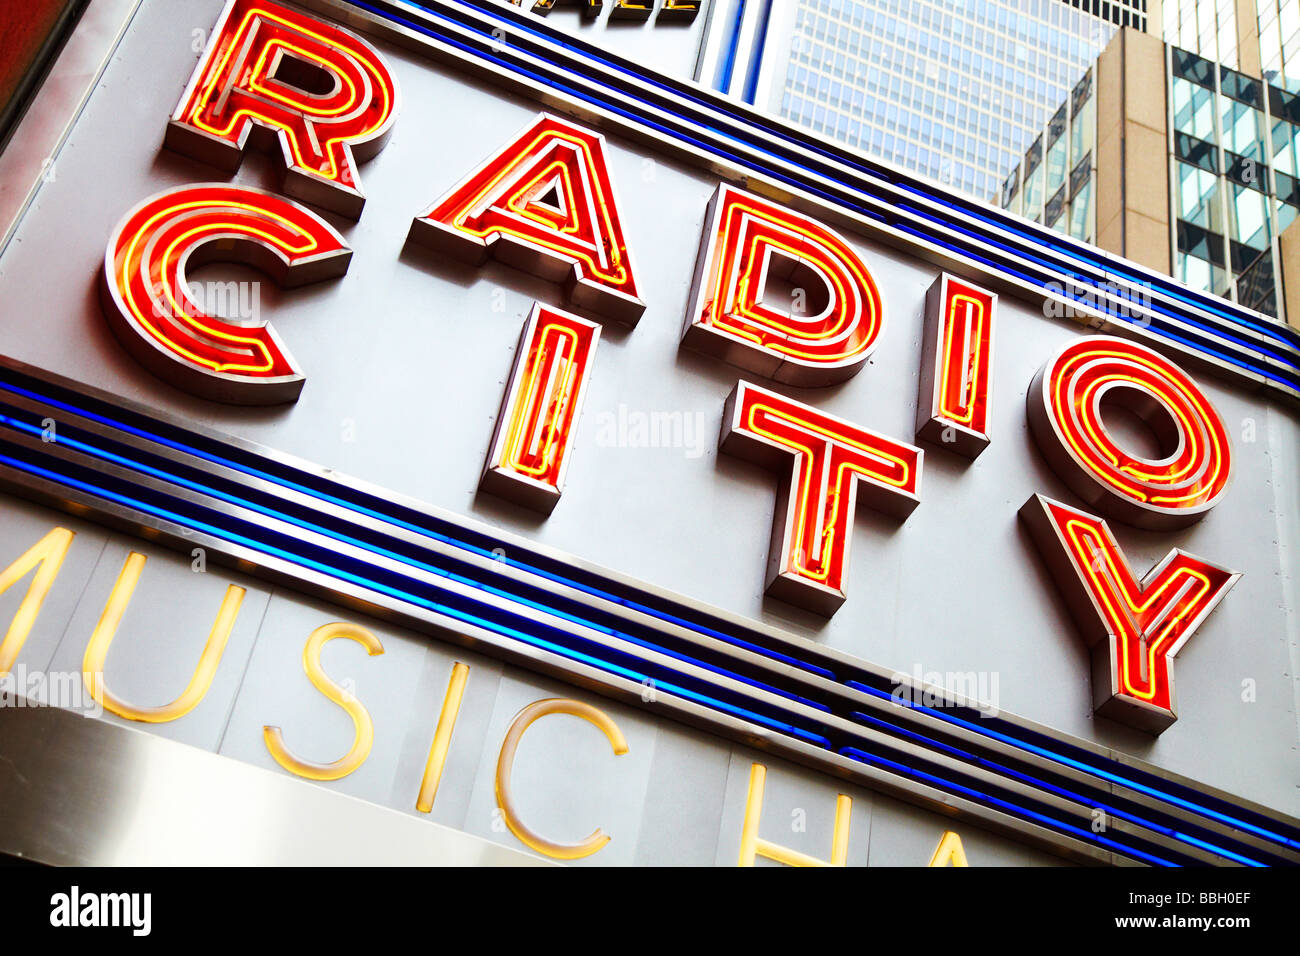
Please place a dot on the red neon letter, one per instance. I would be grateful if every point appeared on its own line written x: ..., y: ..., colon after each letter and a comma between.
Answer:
x: 957, y: 354
x: 148, y: 302
x: 323, y: 94
x: 834, y: 317
x: 534, y: 434
x: 544, y: 204
x: 1065, y: 417
x: 1134, y: 628
x: 827, y: 461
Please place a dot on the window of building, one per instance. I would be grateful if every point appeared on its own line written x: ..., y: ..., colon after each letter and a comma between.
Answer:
x: 1256, y: 287
x: 1197, y: 197
x: 1286, y: 147
x: 1198, y: 273
x: 1081, y: 212
x: 1054, y: 212
x: 1243, y: 128
x: 1248, y: 212
x: 1083, y: 130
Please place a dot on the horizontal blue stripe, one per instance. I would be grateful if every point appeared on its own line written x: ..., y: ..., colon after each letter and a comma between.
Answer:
x: 1014, y: 809
x: 405, y: 596
x: 1090, y: 768
x: 1050, y: 787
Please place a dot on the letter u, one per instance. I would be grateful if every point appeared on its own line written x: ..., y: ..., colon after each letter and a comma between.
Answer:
x: 92, y: 665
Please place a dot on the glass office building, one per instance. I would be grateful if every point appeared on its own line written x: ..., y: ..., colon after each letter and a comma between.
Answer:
x: 1234, y: 182
x: 950, y: 89
x: 1279, y: 42
x: 1234, y: 178
x: 1207, y: 28
x: 1055, y: 182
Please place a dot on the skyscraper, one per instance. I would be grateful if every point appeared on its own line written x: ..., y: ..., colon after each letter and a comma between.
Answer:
x: 1207, y: 185
x: 952, y: 89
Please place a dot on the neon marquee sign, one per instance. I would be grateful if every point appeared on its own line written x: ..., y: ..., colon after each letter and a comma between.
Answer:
x: 1065, y: 413
x: 828, y: 462
x: 956, y: 363
x: 1134, y: 627
x: 532, y: 445
x: 545, y: 202
x: 749, y: 242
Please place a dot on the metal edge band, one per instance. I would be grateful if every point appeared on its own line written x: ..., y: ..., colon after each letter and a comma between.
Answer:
x: 266, y: 513
x: 63, y: 791
x: 738, y: 142
x: 38, y: 69
x: 74, y: 74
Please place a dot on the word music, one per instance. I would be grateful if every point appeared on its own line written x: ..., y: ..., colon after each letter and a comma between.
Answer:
x: 545, y: 203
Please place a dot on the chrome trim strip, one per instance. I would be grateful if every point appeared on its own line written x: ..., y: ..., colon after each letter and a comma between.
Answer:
x: 85, y: 792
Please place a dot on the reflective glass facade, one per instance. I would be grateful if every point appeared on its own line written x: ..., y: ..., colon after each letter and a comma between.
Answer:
x: 953, y: 90
x: 1233, y: 178
x: 1204, y: 27
x: 1055, y: 182
x: 1279, y: 42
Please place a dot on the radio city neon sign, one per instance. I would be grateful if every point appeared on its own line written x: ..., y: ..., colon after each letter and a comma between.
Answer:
x: 546, y: 203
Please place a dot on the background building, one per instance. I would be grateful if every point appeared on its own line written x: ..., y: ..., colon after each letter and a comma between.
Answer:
x: 1219, y: 30
x: 1177, y: 154
x: 953, y: 89
x: 1174, y: 161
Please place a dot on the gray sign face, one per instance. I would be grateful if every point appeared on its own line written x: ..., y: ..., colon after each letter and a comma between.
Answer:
x: 406, y: 360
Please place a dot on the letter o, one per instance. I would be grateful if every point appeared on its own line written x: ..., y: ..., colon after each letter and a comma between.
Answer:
x: 1065, y: 416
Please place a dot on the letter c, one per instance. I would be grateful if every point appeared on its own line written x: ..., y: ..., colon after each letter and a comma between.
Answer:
x: 505, y: 764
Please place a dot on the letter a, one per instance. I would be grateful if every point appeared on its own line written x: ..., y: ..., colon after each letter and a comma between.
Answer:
x: 545, y: 204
